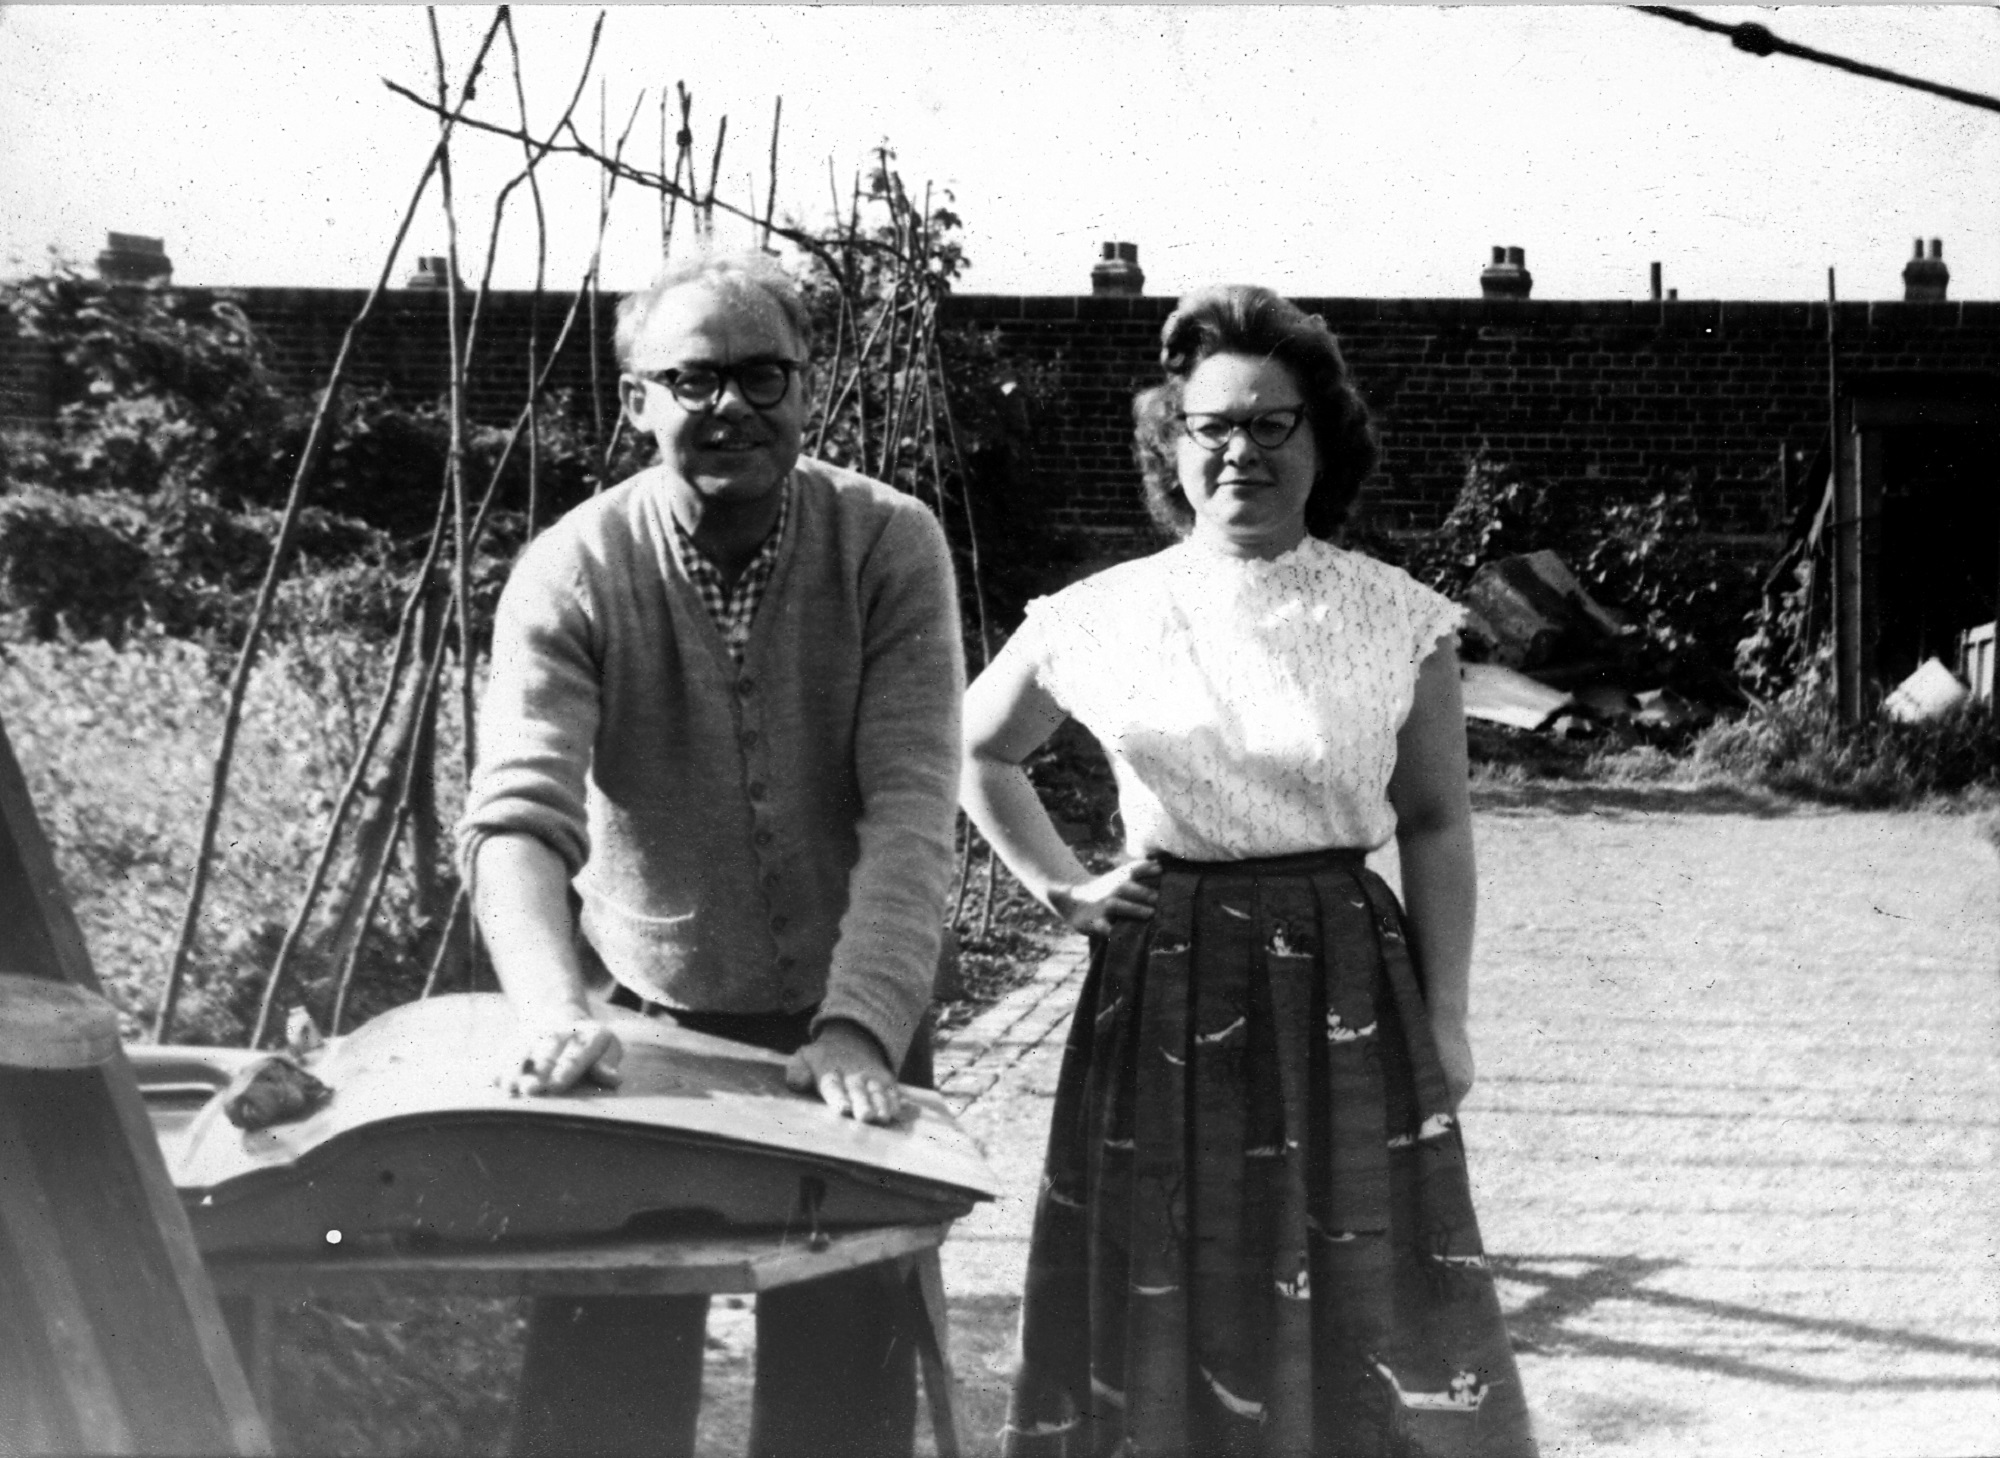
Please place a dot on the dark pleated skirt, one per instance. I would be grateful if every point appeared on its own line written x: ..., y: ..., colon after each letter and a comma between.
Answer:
x: 1255, y: 1234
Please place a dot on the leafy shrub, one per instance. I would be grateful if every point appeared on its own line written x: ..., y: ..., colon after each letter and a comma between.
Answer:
x: 163, y: 391
x: 1647, y: 556
x: 388, y: 458
x: 1497, y: 514
x: 72, y: 562
x: 104, y: 564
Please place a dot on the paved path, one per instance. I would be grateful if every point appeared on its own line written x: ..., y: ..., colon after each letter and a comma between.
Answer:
x: 1736, y: 1141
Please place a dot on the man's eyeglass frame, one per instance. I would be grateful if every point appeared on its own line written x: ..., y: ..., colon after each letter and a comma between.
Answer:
x: 1268, y: 429
x: 761, y: 394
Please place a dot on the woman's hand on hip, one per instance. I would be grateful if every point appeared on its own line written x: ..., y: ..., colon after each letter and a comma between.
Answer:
x: 1123, y: 893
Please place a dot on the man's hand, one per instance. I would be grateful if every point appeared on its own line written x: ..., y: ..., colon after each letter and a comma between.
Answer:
x: 844, y: 1063
x: 553, y: 1054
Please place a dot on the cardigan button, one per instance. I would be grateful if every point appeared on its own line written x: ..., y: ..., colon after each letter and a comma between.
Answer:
x: 748, y: 739
x: 756, y: 789
x: 779, y: 922
x: 762, y: 837
x: 746, y: 685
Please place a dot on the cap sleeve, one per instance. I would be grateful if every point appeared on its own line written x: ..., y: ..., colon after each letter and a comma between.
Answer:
x: 1037, y: 643
x: 1432, y: 617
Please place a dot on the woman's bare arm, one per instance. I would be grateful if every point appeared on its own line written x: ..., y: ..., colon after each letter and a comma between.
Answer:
x: 1008, y: 716
x: 1434, y: 845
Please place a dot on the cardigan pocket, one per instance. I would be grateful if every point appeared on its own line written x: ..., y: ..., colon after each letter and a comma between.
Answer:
x: 638, y: 949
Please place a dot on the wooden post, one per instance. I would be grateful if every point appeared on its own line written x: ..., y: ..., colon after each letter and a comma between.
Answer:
x: 1846, y: 545
x: 932, y: 1325
x: 111, y: 1340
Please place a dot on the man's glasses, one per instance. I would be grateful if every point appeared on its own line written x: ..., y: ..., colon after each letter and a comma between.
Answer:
x: 1267, y: 431
x: 761, y: 382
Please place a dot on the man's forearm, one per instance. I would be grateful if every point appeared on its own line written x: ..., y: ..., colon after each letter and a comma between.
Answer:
x: 522, y: 901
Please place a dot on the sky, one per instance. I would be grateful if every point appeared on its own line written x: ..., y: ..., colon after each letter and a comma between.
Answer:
x: 1361, y: 151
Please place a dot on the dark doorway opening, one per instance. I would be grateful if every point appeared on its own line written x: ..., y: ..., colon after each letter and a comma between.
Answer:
x: 1939, y: 538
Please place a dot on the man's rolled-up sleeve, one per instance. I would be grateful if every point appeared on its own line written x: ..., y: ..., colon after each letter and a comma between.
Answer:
x: 907, y: 761
x: 538, y: 716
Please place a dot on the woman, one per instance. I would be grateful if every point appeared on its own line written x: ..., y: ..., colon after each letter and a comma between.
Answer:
x: 1254, y: 1234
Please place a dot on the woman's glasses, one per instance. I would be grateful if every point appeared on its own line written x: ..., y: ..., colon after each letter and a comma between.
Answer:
x: 761, y: 382
x: 1267, y: 430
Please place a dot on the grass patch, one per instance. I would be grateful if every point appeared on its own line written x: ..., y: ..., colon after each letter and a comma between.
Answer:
x: 117, y: 744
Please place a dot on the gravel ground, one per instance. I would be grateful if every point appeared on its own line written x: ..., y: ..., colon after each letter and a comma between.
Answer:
x: 1734, y: 1142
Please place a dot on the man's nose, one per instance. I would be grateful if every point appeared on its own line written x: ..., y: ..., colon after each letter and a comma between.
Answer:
x: 730, y: 398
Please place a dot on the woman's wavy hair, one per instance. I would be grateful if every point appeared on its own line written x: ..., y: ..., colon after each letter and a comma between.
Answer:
x: 1245, y: 319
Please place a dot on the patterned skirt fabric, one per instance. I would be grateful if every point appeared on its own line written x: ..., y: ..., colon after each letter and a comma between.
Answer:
x: 1255, y: 1235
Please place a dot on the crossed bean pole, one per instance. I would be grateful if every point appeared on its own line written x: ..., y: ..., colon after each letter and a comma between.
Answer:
x: 887, y: 413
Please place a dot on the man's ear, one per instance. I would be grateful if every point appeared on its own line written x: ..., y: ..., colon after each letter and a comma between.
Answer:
x: 632, y: 396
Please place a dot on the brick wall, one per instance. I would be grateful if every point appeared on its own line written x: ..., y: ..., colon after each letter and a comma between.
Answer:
x: 405, y: 347
x: 1616, y: 394
x: 27, y: 378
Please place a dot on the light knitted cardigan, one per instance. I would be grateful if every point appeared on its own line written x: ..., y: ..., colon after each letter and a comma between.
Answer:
x: 743, y: 840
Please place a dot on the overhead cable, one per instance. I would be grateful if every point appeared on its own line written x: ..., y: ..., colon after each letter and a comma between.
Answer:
x: 1758, y: 41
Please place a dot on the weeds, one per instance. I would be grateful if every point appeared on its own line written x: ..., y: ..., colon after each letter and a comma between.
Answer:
x: 115, y: 745
x: 1797, y: 746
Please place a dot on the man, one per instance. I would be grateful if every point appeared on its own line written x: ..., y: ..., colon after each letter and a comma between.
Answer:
x: 722, y: 722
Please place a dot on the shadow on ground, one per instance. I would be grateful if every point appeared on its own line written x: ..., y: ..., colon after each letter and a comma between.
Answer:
x: 982, y: 1354
x: 1563, y: 1319
x: 1561, y: 797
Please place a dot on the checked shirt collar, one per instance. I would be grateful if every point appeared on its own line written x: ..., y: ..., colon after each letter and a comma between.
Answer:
x: 733, y: 612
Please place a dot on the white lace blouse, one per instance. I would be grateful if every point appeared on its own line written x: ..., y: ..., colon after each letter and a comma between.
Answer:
x: 1248, y: 707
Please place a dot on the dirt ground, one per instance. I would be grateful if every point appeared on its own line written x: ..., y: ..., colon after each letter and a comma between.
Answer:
x: 1736, y: 1140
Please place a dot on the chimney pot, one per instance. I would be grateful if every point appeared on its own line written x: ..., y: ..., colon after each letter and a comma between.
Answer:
x: 1118, y: 271
x: 1656, y: 282
x: 1507, y: 276
x: 1925, y: 279
x: 430, y: 273
x: 134, y: 258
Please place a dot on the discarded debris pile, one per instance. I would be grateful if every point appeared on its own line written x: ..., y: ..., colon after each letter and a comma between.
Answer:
x: 1542, y: 655
x: 1934, y: 690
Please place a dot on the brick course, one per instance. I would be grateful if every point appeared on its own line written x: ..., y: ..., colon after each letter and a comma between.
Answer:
x: 1617, y: 394
x: 1612, y: 393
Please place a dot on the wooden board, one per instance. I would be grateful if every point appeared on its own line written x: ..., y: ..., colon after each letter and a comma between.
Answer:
x: 418, y: 1142
x: 743, y: 1263
x: 111, y: 1340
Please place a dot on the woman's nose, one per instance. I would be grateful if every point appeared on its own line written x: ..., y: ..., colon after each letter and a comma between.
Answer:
x: 1239, y: 446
